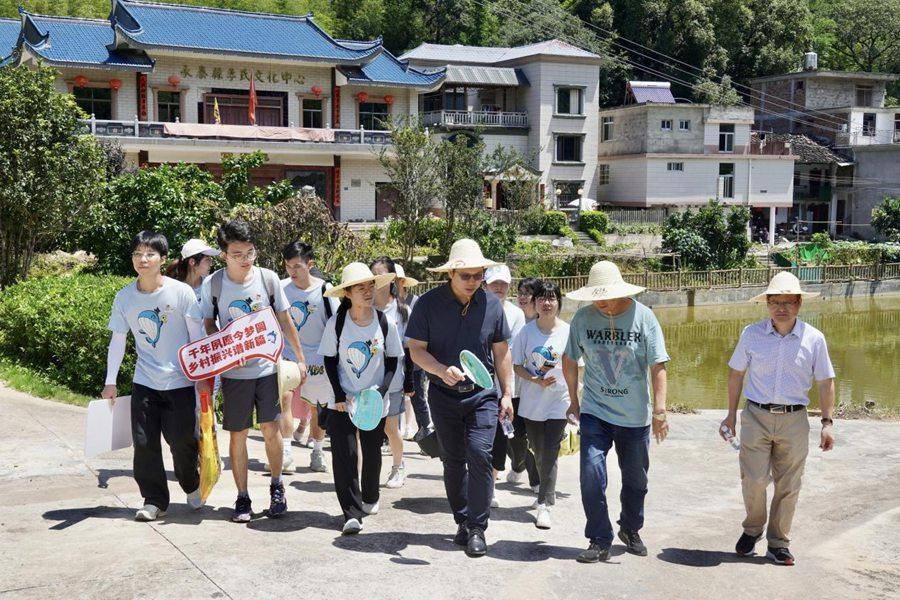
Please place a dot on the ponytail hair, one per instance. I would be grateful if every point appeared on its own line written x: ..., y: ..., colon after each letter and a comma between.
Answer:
x: 179, y: 269
x: 391, y: 267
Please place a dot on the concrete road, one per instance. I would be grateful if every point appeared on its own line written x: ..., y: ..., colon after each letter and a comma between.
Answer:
x: 66, y: 528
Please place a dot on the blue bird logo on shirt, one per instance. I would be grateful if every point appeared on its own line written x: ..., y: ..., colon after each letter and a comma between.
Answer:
x: 299, y: 313
x: 150, y: 323
x: 239, y: 308
x: 544, y: 358
x: 359, y: 355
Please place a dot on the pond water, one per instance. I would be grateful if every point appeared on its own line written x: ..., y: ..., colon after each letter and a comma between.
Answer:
x: 863, y: 339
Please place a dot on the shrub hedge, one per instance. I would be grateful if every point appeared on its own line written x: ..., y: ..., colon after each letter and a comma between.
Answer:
x: 593, y: 219
x: 554, y: 221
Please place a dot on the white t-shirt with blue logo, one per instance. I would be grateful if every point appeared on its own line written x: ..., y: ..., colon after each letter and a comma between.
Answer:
x: 361, y: 352
x: 539, y: 353
x: 392, y: 313
x: 237, y: 300
x: 307, y: 311
x: 157, y: 321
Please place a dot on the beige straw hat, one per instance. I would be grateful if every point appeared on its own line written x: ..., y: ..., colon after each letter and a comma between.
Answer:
x: 604, y: 283
x: 783, y: 283
x: 464, y: 254
x: 289, y: 378
x: 401, y: 275
x: 354, y: 274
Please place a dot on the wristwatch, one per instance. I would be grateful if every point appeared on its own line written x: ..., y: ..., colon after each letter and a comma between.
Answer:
x: 659, y: 416
x: 827, y: 421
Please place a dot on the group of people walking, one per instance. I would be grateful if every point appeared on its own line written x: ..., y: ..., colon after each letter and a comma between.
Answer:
x: 369, y: 331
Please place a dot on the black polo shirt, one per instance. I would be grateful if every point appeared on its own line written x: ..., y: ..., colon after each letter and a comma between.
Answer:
x: 444, y: 323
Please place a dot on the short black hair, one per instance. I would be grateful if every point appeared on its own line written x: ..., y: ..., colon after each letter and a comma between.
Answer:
x: 298, y: 249
x: 531, y: 284
x: 152, y: 239
x: 549, y: 289
x: 237, y: 230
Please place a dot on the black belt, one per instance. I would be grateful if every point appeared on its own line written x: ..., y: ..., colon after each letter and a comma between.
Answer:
x: 460, y: 388
x: 777, y: 408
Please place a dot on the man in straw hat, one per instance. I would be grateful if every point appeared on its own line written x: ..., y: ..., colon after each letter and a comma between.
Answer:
x: 781, y: 356
x: 457, y: 316
x: 624, y: 353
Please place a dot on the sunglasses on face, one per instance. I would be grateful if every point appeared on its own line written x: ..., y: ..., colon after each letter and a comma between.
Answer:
x: 471, y: 276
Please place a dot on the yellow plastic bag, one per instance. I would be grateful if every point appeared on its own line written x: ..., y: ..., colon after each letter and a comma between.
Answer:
x: 571, y: 442
x: 209, y: 448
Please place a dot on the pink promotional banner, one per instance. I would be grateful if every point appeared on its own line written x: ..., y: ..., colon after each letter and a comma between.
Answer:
x: 256, y: 335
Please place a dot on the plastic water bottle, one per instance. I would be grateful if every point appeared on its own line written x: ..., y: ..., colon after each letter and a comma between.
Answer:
x: 730, y: 438
x: 508, y: 428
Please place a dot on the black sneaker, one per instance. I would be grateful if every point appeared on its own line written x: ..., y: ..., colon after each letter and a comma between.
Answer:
x: 278, y: 504
x: 746, y: 546
x: 594, y: 553
x: 462, y: 536
x: 476, y: 546
x: 633, y: 543
x: 781, y: 556
x: 242, y: 510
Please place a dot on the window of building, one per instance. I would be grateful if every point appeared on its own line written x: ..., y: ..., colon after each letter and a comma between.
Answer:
x: 726, y: 137
x: 726, y: 180
x: 234, y: 108
x: 312, y: 113
x: 799, y: 85
x: 675, y: 166
x: 606, y: 129
x: 168, y: 106
x: 568, y: 148
x: 567, y: 191
x: 665, y: 125
x: 684, y: 125
x: 603, y: 173
x: 94, y: 101
x: 373, y: 115
x: 868, y: 124
x: 569, y: 101
x: 864, y: 95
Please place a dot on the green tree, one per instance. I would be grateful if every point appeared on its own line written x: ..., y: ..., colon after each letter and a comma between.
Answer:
x: 462, y: 168
x: 713, y: 237
x: 413, y: 164
x: 719, y: 92
x: 864, y: 34
x: 236, y: 172
x: 519, y: 182
x: 49, y: 172
x: 886, y: 219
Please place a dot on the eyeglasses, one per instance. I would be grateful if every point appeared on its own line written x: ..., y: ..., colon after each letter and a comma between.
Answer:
x: 242, y: 256
x: 144, y: 255
x: 547, y: 299
x: 471, y: 276
x: 785, y: 304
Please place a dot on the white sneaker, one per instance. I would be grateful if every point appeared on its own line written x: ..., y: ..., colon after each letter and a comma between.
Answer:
x: 287, y: 461
x: 535, y: 504
x: 194, y: 500
x: 513, y: 476
x: 149, y: 513
x: 351, y: 527
x: 317, y: 462
x: 543, y: 517
x: 397, y: 477
x: 370, y: 509
x: 494, y: 503
x: 409, y: 434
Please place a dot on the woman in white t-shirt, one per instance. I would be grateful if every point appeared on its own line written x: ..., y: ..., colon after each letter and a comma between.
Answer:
x: 537, y: 360
x: 360, y: 350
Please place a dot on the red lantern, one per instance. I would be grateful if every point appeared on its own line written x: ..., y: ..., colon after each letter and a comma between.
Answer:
x: 81, y: 81
x: 317, y: 90
x: 174, y: 80
x: 115, y: 84
x: 388, y: 99
x: 362, y: 97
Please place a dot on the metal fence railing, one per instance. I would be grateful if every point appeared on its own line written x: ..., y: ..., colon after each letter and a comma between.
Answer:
x: 634, y: 216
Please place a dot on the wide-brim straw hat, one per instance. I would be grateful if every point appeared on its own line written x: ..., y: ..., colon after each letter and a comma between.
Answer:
x: 289, y: 378
x: 354, y: 274
x: 783, y: 283
x: 604, y: 283
x: 464, y: 254
x: 401, y: 276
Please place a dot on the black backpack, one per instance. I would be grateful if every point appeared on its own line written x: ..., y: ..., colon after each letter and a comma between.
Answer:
x: 342, y: 316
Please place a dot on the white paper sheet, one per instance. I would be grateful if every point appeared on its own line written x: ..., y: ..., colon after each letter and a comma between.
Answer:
x: 108, y: 427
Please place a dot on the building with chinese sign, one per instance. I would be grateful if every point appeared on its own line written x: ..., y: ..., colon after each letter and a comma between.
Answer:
x: 175, y: 83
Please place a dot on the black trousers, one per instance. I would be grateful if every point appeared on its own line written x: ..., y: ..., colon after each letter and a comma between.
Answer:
x: 466, y: 429
x: 544, y: 437
x: 345, y: 463
x: 516, y: 448
x: 419, y: 404
x: 171, y: 413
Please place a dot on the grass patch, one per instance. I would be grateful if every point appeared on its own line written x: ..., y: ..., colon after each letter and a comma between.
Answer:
x: 681, y: 409
x: 28, y: 380
x: 870, y: 412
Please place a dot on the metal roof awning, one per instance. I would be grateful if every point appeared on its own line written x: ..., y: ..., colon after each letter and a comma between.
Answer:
x: 484, y: 76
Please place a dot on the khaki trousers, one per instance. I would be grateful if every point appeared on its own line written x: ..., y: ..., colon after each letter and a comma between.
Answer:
x: 773, y: 445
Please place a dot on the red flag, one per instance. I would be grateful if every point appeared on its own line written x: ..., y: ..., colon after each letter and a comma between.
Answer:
x: 251, y: 109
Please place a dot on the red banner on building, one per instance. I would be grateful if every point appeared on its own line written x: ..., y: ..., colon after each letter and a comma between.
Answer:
x: 142, y: 97
x: 256, y: 335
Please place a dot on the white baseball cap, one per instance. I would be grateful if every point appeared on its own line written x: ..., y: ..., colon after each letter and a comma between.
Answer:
x: 195, y: 247
x: 498, y: 273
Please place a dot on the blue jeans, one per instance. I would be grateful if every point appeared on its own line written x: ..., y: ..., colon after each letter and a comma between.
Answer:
x: 633, y: 451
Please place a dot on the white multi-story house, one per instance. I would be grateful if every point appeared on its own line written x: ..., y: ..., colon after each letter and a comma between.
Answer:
x: 655, y: 152
x: 171, y: 83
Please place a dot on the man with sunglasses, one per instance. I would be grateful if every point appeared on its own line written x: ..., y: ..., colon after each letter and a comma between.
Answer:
x: 457, y: 316
x: 780, y: 356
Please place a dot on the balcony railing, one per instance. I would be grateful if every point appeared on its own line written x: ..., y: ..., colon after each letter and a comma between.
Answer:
x: 157, y: 130
x: 868, y: 137
x: 474, y: 118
